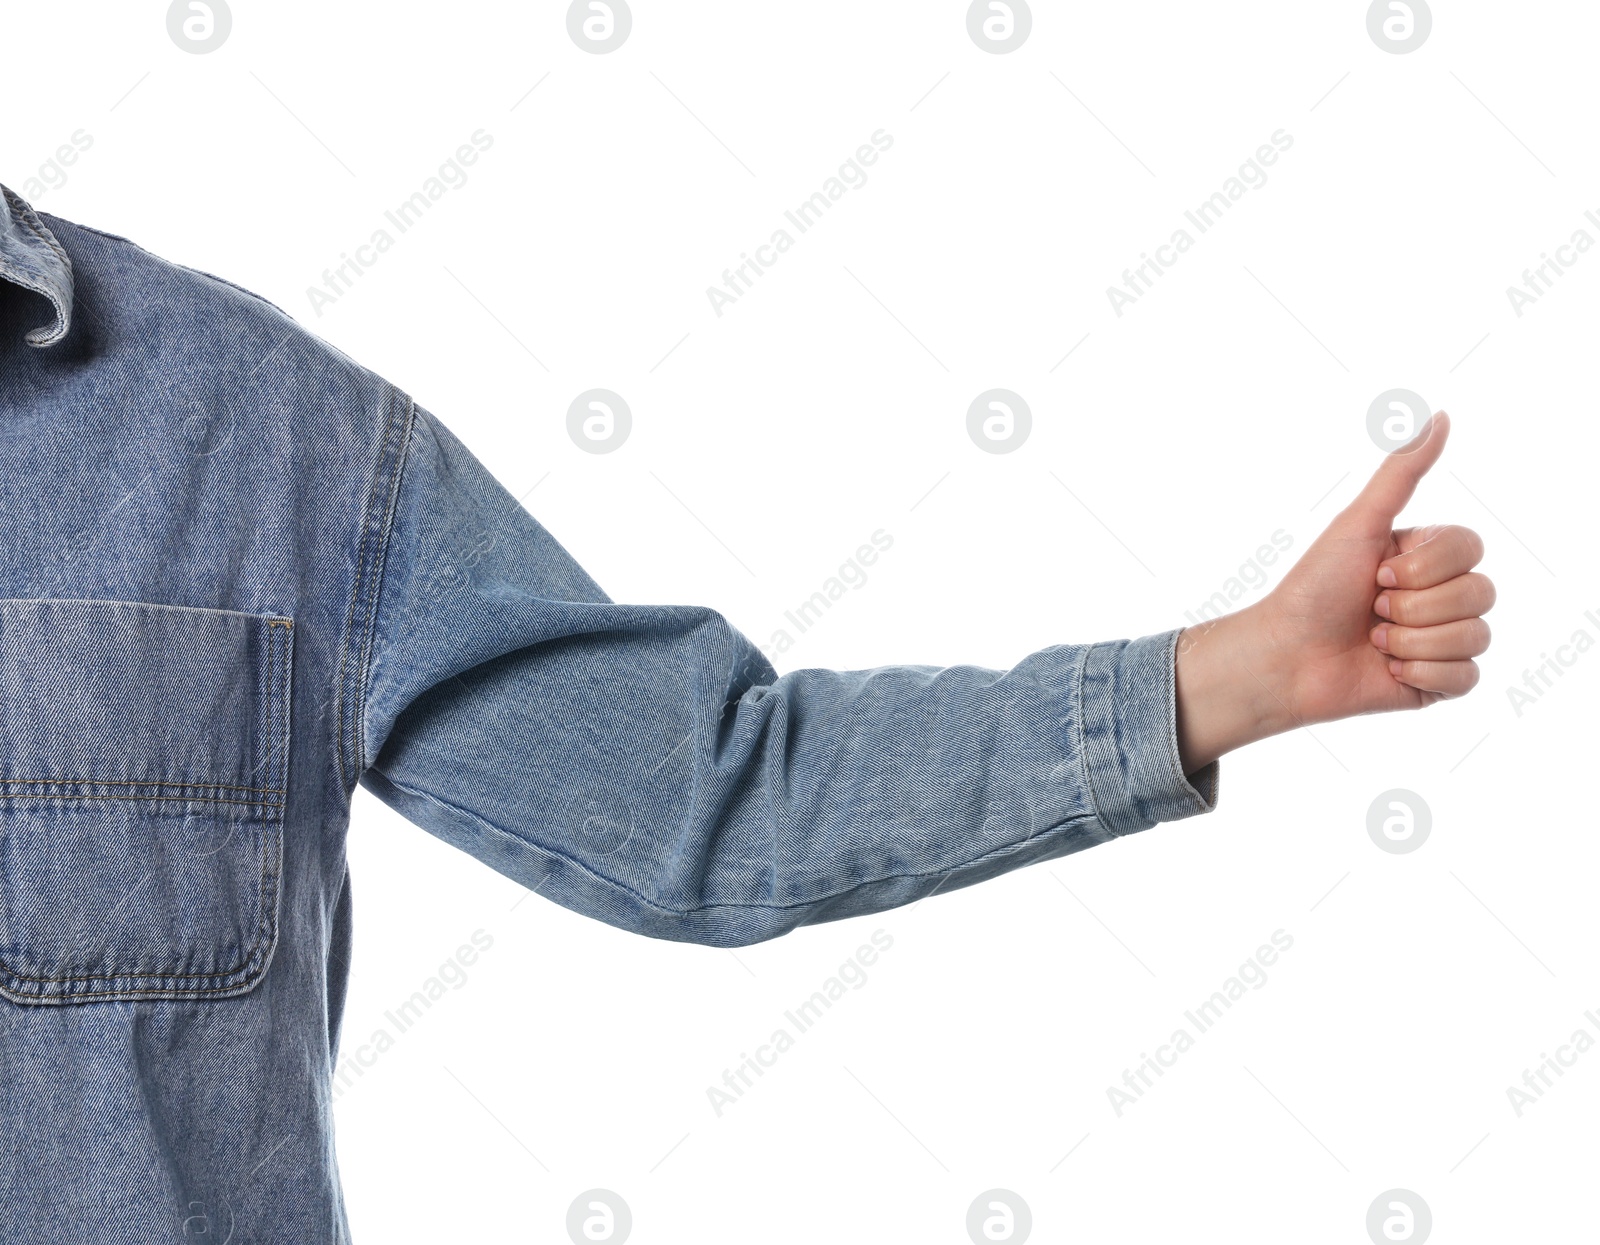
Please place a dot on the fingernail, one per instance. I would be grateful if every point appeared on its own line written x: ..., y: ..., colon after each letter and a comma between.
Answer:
x: 1395, y: 667
x: 1380, y: 607
x: 1387, y: 578
x: 1380, y: 637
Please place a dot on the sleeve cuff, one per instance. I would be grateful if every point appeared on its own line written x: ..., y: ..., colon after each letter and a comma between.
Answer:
x: 1130, y: 737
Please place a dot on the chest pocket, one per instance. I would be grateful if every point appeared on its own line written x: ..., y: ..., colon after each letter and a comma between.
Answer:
x: 144, y: 755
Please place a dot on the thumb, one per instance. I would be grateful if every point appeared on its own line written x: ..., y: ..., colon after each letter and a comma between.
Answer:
x: 1397, y: 476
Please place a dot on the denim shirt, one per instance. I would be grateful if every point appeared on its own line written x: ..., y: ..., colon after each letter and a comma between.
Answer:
x: 239, y: 574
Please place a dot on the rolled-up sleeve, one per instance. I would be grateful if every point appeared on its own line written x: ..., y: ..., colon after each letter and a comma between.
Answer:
x: 647, y: 766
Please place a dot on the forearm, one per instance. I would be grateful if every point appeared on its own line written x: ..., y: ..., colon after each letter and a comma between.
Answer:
x: 1232, y: 689
x: 687, y: 804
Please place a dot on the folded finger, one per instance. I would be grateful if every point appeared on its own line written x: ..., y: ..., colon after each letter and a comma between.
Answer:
x: 1442, y: 554
x: 1442, y: 678
x: 1465, y: 596
x: 1452, y: 641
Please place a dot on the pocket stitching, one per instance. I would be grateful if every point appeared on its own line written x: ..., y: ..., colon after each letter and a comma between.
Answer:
x: 118, y: 782
x: 258, y: 955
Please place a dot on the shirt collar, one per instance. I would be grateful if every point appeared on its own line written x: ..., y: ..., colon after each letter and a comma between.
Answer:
x: 31, y: 257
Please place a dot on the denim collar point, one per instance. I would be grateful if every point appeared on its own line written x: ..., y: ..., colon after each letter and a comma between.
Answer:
x: 31, y: 257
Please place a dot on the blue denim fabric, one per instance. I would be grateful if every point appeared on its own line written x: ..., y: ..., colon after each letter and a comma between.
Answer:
x: 239, y: 574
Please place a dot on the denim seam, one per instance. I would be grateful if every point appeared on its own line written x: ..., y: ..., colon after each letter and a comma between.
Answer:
x: 286, y: 688
x: 273, y: 831
x: 355, y: 660
x: 62, y: 781
x: 380, y: 563
x: 43, y: 236
x: 1090, y: 770
x: 355, y: 588
x: 155, y: 976
x: 26, y: 215
x: 267, y: 674
x: 276, y: 620
x: 1079, y: 669
x: 106, y: 234
x: 175, y: 994
x: 158, y: 799
x: 814, y: 901
x: 245, y: 966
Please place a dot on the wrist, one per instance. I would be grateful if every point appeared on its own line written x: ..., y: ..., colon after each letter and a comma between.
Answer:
x: 1232, y: 687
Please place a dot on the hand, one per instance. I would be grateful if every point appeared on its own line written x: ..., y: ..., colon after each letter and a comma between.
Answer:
x: 1370, y: 619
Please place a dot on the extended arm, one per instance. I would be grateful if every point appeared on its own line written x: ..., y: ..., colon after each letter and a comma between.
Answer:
x: 647, y: 766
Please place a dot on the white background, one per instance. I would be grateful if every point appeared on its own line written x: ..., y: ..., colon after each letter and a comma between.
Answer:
x: 1228, y: 403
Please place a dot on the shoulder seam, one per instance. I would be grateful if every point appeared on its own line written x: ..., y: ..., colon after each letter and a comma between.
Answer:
x: 377, y: 522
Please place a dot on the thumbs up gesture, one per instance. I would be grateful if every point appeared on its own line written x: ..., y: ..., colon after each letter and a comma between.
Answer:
x: 1373, y: 617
